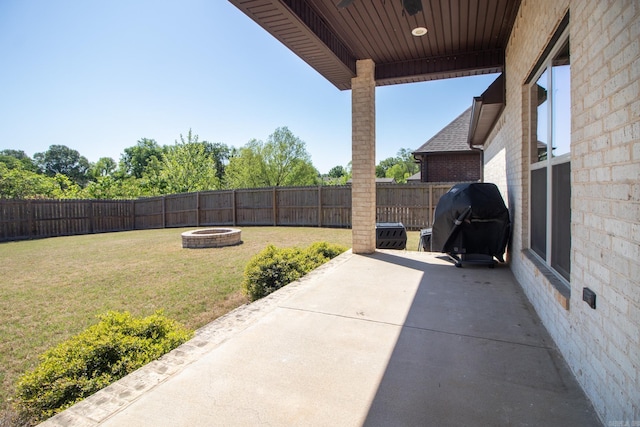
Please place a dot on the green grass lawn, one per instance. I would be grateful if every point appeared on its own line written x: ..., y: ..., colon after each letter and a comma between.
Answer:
x: 51, y: 289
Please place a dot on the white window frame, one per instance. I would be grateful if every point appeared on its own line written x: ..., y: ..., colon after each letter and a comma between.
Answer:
x: 550, y: 161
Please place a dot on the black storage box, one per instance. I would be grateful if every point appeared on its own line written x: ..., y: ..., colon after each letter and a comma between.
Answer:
x: 391, y: 235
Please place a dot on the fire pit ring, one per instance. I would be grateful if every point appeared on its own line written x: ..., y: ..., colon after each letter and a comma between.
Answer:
x: 211, y: 238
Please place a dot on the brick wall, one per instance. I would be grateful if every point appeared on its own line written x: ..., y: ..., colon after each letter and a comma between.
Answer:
x: 601, y: 346
x: 495, y: 161
x: 606, y: 207
x: 363, y: 167
x: 449, y: 167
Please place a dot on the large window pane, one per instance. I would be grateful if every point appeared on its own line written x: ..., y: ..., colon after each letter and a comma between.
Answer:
x: 540, y: 121
x: 561, y: 219
x: 550, y: 148
x: 539, y: 211
x: 561, y: 101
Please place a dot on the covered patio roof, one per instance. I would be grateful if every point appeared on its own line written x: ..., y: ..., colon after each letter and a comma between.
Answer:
x: 463, y: 38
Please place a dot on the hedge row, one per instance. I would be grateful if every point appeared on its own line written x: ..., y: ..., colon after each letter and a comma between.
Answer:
x: 116, y: 346
x: 274, y: 268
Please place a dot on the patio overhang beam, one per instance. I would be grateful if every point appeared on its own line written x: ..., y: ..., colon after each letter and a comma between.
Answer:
x: 435, y: 68
x: 314, y: 24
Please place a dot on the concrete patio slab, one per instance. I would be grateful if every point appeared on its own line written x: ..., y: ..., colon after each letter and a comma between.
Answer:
x: 396, y: 338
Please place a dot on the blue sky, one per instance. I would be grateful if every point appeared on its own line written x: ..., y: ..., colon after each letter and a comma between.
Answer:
x: 97, y: 76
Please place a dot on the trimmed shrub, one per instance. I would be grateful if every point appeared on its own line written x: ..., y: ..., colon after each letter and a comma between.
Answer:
x: 116, y: 346
x: 274, y: 268
x: 326, y: 250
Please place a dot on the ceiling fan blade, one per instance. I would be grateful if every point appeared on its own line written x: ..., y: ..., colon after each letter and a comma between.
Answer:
x: 344, y: 3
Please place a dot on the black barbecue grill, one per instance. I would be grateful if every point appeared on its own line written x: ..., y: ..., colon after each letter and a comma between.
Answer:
x: 471, y: 224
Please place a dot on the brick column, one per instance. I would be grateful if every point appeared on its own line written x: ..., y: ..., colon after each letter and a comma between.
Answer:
x: 363, y: 158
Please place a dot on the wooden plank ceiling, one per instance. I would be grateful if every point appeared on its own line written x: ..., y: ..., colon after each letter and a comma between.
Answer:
x: 465, y: 37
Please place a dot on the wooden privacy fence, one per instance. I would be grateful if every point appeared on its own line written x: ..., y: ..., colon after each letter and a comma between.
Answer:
x: 328, y: 206
x: 29, y: 219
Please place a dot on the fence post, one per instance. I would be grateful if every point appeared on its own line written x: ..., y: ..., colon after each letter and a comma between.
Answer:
x: 275, y: 207
x: 233, y: 206
x: 133, y: 214
x: 431, y: 205
x: 320, y: 205
x: 164, y: 212
x: 30, y: 220
x: 197, y: 209
x: 91, y: 218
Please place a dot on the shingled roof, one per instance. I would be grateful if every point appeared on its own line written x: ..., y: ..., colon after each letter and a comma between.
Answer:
x: 452, y: 137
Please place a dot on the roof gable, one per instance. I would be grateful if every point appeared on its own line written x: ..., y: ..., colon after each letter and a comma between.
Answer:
x: 453, y: 137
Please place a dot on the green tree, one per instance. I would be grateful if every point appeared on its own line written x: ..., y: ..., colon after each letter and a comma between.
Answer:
x: 60, y: 159
x: 398, y: 172
x: 337, y: 172
x: 152, y: 181
x: 134, y: 160
x: 281, y: 161
x: 68, y: 189
x: 110, y: 187
x: 338, y: 175
x: 17, y: 158
x: 240, y: 171
x: 187, y: 166
x: 400, y: 167
x: 406, y: 157
x: 220, y: 153
x: 19, y: 183
x: 385, y: 165
x: 105, y: 166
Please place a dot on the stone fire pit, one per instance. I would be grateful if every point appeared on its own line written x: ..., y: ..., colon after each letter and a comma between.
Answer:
x: 211, y: 238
